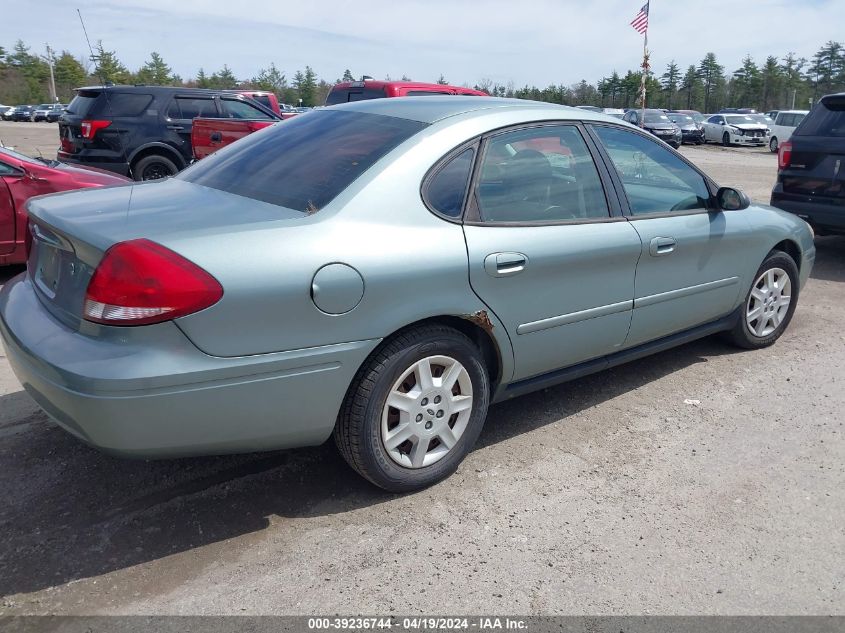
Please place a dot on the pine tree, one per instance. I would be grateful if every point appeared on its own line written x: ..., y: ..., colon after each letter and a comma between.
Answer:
x: 712, y: 78
x: 271, y: 79
x: 108, y: 68
x: 771, y: 79
x: 745, y: 86
x: 442, y: 80
x: 69, y: 74
x: 203, y: 80
x: 155, y: 72
x: 347, y: 76
x: 670, y: 81
x: 690, y: 85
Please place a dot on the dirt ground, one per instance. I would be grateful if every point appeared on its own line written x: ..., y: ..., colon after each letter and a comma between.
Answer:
x: 701, y: 480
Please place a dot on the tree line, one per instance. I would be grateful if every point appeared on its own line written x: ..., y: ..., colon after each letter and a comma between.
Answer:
x: 776, y: 83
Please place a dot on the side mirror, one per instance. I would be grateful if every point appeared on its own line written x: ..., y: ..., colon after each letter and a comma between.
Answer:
x: 730, y: 199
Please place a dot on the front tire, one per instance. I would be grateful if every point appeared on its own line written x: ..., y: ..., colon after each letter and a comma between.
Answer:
x: 769, y: 303
x: 415, y: 409
x: 726, y: 139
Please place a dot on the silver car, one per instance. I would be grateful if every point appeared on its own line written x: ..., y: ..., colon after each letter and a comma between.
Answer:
x: 382, y: 271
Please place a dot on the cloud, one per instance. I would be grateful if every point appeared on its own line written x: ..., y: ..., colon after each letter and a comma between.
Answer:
x: 537, y: 42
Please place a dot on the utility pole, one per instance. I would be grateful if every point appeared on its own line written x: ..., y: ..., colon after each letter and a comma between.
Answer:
x: 49, y: 59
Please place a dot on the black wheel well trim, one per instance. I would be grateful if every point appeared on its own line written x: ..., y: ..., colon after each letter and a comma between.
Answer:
x: 791, y: 248
x: 476, y: 326
x: 158, y: 148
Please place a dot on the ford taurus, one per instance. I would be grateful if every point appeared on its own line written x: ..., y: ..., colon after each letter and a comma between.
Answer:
x: 383, y: 271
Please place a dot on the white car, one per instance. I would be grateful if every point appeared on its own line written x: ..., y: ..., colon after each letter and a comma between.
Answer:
x: 735, y: 129
x: 785, y: 124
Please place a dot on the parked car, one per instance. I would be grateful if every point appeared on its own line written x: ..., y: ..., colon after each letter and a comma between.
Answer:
x: 735, y: 129
x: 811, y: 167
x: 56, y: 113
x: 286, y: 289
x: 658, y: 123
x: 737, y: 111
x: 691, y: 132
x: 695, y: 114
x: 616, y: 113
x: 4, y: 109
x: 369, y: 89
x: 40, y: 112
x: 142, y: 131
x: 785, y: 123
x: 21, y: 178
x: 23, y: 113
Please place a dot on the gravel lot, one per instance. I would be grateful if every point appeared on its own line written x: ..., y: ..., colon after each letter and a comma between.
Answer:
x: 700, y: 480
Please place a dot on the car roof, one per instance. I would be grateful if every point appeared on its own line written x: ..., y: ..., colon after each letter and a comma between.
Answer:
x: 793, y: 111
x: 432, y: 108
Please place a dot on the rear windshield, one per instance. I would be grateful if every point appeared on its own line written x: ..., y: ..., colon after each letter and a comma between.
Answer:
x: 344, y: 95
x: 110, y: 104
x: 826, y: 119
x: 82, y: 102
x: 304, y: 162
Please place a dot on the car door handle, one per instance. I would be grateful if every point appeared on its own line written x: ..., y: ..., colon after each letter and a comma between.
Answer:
x: 178, y: 128
x: 661, y: 246
x: 505, y: 264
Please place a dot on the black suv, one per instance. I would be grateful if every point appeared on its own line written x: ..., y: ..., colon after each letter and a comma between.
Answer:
x: 811, y: 168
x: 142, y: 131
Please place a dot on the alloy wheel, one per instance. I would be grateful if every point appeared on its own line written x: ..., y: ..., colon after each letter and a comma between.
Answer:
x: 427, y: 411
x: 768, y: 303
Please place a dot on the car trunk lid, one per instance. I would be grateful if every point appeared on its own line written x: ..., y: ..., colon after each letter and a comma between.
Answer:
x: 71, y: 231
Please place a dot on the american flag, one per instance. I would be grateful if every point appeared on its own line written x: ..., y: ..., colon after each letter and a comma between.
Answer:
x: 640, y: 23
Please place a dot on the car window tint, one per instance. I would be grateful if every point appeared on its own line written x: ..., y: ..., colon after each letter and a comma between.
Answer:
x: 655, y: 179
x: 7, y: 170
x: 827, y: 118
x: 304, y: 162
x: 235, y: 109
x: 189, y: 108
x: 123, y: 104
x: 446, y: 191
x: 541, y: 174
x: 82, y: 102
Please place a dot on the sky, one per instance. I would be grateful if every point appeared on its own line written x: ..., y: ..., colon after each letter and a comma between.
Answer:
x: 527, y: 42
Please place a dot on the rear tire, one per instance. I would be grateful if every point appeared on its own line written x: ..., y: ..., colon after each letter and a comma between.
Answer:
x: 154, y: 167
x: 773, y: 145
x: 438, y: 416
x: 769, y: 304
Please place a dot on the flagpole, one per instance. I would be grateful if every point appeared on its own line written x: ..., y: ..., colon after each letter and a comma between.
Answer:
x: 645, y: 71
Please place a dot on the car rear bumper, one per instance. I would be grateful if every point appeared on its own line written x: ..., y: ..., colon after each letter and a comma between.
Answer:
x: 96, y: 158
x: 149, y: 392
x: 829, y: 216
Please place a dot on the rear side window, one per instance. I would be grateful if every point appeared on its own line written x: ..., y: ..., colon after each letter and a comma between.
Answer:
x: 190, y: 108
x: 446, y: 190
x: 305, y: 162
x: 124, y: 104
x: 826, y: 119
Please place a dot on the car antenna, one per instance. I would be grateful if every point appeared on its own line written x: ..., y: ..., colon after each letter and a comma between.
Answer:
x: 105, y: 84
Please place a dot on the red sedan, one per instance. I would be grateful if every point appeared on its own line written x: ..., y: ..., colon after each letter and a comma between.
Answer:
x: 21, y: 178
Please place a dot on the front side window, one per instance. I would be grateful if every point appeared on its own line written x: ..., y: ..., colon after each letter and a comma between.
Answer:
x: 305, y: 162
x: 7, y: 170
x: 655, y: 179
x: 236, y: 109
x: 543, y: 174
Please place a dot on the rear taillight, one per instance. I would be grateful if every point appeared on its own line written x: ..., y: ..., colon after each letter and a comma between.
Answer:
x: 784, y: 155
x: 91, y: 127
x: 140, y: 282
